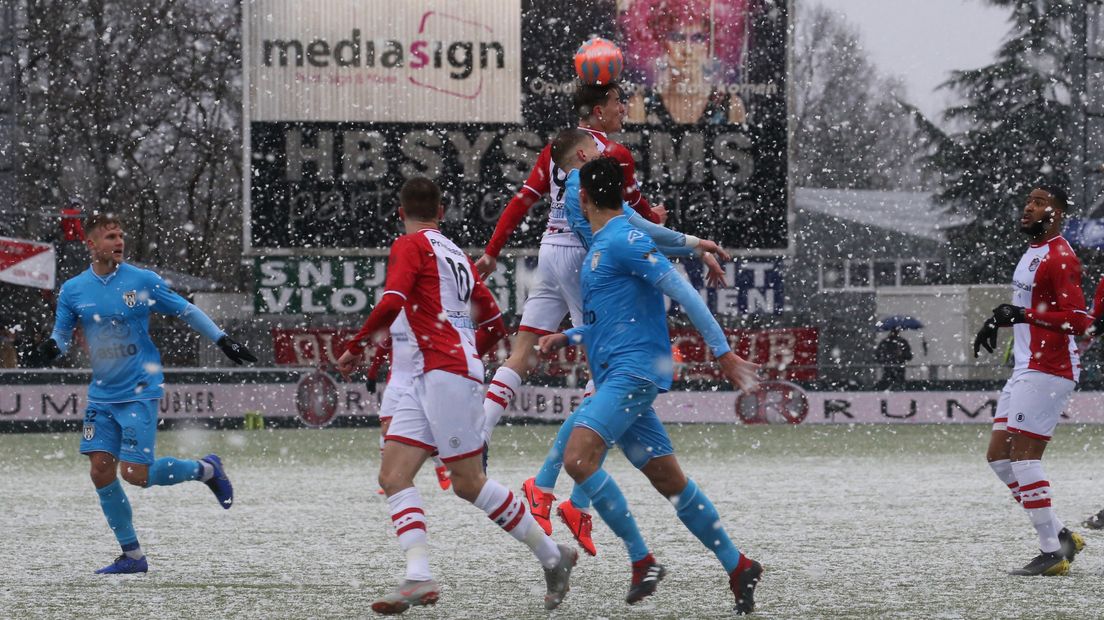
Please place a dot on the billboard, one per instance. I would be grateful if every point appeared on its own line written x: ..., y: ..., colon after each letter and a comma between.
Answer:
x: 345, y: 100
x: 297, y: 285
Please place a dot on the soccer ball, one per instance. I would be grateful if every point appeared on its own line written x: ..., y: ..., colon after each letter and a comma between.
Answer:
x: 598, y: 62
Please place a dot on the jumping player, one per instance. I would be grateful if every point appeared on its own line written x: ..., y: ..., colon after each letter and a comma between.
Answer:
x: 624, y: 279
x: 601, y: 109
x: 571, y: 149
x: 1047, y: 311
x: 112, y: 301
x: 435, y: 284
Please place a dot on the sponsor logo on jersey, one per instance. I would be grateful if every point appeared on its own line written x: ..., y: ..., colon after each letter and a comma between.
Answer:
x: 131, y: 298
x: 1034, y: 264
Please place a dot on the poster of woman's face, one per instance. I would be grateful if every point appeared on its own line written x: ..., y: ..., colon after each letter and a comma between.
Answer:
x: 683, y: 59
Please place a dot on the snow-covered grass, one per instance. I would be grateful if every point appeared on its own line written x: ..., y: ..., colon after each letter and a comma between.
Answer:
x: 866, y: 521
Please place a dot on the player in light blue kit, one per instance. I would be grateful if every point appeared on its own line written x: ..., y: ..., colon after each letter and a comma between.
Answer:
x: 112, y: 302
x: 570, y: 150
x: 624, y: 279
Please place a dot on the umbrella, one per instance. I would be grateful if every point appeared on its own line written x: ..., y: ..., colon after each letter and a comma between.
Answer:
x: 898, y: 321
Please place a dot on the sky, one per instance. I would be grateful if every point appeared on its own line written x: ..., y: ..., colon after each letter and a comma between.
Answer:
x: 921, y: 41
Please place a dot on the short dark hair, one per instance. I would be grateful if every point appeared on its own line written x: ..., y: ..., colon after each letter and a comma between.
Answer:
x: 101, y: 220
x: 602, y: 179
x: 565, y: 143
x: 420, y: 198
x: 587, y: 96
x: 1058, y: 196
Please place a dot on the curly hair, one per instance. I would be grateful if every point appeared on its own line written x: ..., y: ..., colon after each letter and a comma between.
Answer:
x: 646, y: 24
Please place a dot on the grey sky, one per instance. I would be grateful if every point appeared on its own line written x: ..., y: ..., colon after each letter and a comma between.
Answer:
x: 921, y: 41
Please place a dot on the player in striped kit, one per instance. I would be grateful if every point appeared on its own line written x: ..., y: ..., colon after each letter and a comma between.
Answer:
x: 601, y: 109
x: 445, y: 302
x: 1046, y: 313
x: 400, y: 347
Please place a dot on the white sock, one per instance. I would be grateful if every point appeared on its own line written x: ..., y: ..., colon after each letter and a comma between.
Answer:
x: 409, y: 520
x: 135, y: 553
x: 437, y: 462
x: 500, y: 392
x: 1036, y: 497
x: 207, y: 471
x: 1003, y: 470
x: 508, y: 511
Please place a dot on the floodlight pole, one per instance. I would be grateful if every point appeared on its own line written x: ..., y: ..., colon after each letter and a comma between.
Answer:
x: 1087, y: 164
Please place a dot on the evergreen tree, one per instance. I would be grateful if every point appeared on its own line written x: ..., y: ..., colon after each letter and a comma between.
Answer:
x: 1010, y: 133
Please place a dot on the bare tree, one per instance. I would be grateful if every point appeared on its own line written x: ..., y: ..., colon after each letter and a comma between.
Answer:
x: 136, y: 107
x: 851, y: 131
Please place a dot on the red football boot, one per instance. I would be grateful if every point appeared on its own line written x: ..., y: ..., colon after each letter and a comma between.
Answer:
x: 540, y: 504
x: 579, y: 523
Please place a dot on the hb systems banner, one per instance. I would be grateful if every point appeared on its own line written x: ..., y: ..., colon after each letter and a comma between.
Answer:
x: 347, y: 99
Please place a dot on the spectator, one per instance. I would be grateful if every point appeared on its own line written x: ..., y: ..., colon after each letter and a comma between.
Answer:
x: 892, y: 353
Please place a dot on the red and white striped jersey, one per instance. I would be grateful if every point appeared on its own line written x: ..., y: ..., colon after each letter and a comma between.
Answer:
x: 1047, y: 282
x: 444, y: 302
x: 547, y: 178
x: 406, y: 357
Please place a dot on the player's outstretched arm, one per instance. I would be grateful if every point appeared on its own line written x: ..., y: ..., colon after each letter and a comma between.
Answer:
x: 535, y: 187
x: 167, y: 301
x: 742, y: 373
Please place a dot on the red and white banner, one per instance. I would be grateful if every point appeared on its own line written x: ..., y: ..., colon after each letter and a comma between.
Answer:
x: 27, y: 263
x: 787, y: 353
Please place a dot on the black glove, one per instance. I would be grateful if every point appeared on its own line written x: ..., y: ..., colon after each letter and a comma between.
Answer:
x: 986, y: 336
x: 44, y: 354
x: 235, y: 351
x: 1006, y: 315
x: 1098, y: 327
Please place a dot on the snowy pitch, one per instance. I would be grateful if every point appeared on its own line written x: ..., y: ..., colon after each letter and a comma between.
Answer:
x: 864, y: 521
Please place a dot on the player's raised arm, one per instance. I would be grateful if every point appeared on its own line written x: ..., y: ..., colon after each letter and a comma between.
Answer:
x: 630, y: 190
x: 535, y: 187
x: 164, y: 300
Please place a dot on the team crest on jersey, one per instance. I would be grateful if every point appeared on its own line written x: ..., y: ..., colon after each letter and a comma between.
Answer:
x: 594, y: 258
x: 89, y: 432
x: 1034, y: 264
x: 131, y: 298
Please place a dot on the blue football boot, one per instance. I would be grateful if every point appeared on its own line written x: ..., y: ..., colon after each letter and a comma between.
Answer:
x: 124, y: 565
x: 219, y: 483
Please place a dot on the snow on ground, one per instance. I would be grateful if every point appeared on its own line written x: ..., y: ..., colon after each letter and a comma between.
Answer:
x: 864, y: 522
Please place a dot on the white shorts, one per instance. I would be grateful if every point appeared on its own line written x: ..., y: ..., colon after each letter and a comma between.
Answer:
x: 1031, y: 403
x: 394, y: 390
x: 556, y: 292
x: 441, y: 412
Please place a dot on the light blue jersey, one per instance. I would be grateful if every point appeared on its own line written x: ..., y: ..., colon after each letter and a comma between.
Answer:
x: 624, y: 278
x: 114, y: 311
x: 670, y: 242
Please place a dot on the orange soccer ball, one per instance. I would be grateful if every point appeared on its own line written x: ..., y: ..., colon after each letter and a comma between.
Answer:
x: 598, y: 62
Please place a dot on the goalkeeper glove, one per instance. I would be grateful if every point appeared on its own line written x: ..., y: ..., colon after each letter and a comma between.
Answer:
x: 235, y: 351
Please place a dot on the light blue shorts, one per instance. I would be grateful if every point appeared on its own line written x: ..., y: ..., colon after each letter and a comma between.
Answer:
x: 621, y: 412
x: 128, y: 431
